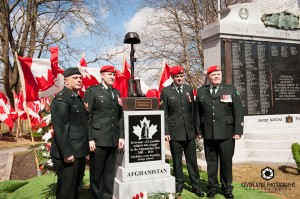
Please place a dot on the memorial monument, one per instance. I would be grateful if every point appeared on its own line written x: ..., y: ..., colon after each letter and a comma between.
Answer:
x: 257, y: 46
x: 141, y: 167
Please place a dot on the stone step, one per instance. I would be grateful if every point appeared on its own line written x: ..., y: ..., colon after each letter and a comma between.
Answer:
x: 283, y: 154
x: 275, y: 134
x: 282, y: 161
x: 269, y: 144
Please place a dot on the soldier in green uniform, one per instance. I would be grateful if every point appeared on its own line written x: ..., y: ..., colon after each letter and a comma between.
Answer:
x: 219, y: 118
x: 69, y: 147
x: 177, y: 101
x: 106, y: 133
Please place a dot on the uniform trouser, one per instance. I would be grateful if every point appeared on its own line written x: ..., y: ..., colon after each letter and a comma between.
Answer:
x: 189, y: 148
x: 219, y: 150
x: 102, y: 172
x: 69, y: 177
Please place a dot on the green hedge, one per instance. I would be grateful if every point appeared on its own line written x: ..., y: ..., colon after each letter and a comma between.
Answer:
x: 296, y: 153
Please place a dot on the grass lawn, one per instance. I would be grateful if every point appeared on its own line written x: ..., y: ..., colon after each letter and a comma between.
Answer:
x: 44, y: 187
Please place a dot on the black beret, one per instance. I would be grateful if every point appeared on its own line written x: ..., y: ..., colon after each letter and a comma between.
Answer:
x: 71, y: 71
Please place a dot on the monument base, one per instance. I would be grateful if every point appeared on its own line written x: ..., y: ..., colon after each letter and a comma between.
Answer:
x: 125, y: 190
x: 143, y: 172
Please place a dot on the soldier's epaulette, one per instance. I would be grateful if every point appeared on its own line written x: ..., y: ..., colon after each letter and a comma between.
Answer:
x: 93, y: 86
x: 59, y: 96
x: 230, y: 85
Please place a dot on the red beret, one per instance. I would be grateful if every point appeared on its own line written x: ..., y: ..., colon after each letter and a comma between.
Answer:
x: 176, y: 70
x: 213, y: 69
x: 108, y: 69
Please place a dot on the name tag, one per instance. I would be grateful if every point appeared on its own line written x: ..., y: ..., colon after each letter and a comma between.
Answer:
x: 226, y: 98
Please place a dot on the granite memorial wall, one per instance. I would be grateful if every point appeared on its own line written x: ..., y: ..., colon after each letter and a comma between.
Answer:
x: 266, y: 74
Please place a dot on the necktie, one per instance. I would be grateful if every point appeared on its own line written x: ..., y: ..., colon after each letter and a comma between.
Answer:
x: 213, y: 93
x: 110, y: 92
x: 179, y: 91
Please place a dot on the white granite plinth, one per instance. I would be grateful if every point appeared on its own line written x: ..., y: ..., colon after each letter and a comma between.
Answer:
x: 143, y: 172
x: 126, y: 190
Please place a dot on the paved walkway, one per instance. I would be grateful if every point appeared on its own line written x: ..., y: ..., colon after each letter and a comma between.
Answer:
x: 6, y: 160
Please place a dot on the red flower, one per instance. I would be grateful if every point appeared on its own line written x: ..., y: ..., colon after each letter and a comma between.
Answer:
x: 137, y: 196
x: 48, y: 145
x: 141, y: 194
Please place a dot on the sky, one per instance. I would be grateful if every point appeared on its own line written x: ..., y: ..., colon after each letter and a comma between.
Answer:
x: 125, y: 21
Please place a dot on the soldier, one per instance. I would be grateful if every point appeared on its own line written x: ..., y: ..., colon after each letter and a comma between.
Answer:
x: 106, y: 132
x: 69, y: 147
x: 219, y: 116
x: 177, y: 101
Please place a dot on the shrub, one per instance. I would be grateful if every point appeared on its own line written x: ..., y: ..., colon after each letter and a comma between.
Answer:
x: 10, y: 186
x: 296, y: 153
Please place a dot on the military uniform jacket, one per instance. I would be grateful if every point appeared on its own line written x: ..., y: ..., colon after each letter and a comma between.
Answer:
x: 69, y: 119
x: 179, y: 112
x: 105, y: 115
x: 219, y: 117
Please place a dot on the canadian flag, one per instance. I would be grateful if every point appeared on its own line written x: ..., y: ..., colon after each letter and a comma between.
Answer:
x: 5, y: 111
x: 121, y: 84
x: 33, y: 110
x: 82, y: 62
x: 40, y: 77
x: 90, y: 76
x: 45, y: 102
x: 149, y: 92
x: 165, y: 77
x: 19, y: 105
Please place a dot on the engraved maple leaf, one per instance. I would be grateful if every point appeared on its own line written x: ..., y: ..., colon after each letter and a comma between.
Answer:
x: 137, y: 130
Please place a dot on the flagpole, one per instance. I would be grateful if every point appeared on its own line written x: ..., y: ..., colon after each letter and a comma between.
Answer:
x: 18, y: 121
x: 28, y: 118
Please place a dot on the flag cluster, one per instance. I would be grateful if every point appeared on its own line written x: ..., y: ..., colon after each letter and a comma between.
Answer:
x: 42, y: 78
x: 8, y: 115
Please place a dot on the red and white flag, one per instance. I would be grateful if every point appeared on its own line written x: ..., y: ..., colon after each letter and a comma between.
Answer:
x: 90, y: 76
x: 121, y: 84
x: 19, y: 105
x: 33, y: 108
x: 45, y: 102
x: 82, y: 62
x: 40, y: 77
x: 165, y: 77
x: 5, y: 111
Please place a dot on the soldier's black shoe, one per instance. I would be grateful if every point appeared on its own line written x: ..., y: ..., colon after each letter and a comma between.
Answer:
x: 199, y: 192
x: 228, y: 195
x: 211, y: 194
